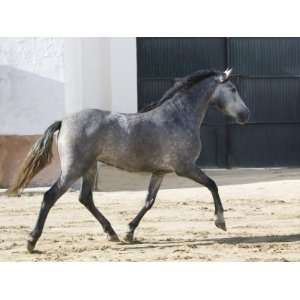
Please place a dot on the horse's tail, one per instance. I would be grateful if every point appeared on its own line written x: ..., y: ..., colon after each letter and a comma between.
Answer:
x: 38, y: 157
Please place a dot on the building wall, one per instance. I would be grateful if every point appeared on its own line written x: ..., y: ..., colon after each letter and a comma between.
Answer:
x: 87, y: 74
x: 101, y: 73
x: 31, y: 84
x: 123, y: 68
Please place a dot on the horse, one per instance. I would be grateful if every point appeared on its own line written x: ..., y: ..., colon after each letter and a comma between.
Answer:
x: 162, y: 138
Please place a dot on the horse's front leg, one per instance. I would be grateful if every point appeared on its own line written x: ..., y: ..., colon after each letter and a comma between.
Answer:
x: 195, y: 173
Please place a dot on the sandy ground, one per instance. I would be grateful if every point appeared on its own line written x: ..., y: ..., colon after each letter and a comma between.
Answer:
x: 262, y: 214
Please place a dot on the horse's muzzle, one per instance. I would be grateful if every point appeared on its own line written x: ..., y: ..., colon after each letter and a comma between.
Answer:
x: 243, y: 116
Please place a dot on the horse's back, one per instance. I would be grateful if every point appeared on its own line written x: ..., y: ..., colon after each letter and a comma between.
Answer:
x: 90, y: 133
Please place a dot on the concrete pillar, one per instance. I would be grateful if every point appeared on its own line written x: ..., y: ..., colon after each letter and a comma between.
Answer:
x: 124, y: 75
x: 100, y: 73
x: 87, y: 74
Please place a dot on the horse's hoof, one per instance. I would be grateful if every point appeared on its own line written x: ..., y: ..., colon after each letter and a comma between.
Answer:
x: 129, y: 237
x: 113, y: 238
x: 30, y: 246
x: 220, y: 221
x: 221, y: 225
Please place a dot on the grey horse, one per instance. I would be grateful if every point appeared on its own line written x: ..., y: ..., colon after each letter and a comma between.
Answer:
x: 164, y: 138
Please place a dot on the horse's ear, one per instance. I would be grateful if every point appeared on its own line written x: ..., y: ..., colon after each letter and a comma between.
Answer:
x: 227, y: 73
x: 225, y: 76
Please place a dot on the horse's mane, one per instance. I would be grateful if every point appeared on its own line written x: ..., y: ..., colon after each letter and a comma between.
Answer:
x: 181, y: 84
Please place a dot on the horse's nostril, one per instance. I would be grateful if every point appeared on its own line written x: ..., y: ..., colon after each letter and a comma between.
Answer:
x: 243, y: 116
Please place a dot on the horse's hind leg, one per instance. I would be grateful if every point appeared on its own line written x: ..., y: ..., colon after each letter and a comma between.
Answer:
x: 153, y: 188
x: 86, y: 198
x: 50, y: 197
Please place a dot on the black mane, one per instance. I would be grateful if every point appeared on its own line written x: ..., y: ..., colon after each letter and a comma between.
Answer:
x: 182, y: 84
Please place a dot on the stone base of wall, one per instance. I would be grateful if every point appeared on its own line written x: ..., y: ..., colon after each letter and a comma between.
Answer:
x: 13, y: 150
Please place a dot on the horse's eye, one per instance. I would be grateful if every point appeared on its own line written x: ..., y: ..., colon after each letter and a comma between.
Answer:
x: 233, y: 90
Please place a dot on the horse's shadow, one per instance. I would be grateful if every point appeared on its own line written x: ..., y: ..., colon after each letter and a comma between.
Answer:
x: 257, y: 239
x: 206, y: 242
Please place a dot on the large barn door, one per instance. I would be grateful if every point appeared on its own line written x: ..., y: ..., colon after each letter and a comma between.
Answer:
x: 268, y: 79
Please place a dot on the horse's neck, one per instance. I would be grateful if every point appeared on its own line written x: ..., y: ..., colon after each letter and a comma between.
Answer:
x: 195, y: 104
x: 202, y: 110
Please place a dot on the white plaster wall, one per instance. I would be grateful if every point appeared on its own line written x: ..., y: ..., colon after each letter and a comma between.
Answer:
x: 123, y: 75
x: 31, y: 84
x: 96, y: 73
x: 87, y: 74
x: 101, y: 73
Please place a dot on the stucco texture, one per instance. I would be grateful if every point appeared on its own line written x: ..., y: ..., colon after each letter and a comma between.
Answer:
x: 31, y: 84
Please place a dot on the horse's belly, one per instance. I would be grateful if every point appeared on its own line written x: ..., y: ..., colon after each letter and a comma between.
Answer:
x: 120, y: 161
x: 133, y: 163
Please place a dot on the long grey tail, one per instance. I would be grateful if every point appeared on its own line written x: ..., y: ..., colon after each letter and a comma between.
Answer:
x: 38, y: 158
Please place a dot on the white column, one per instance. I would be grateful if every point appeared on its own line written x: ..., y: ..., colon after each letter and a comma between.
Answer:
x: 87, y: 74
x: 100, y: 73
x: 73, y: 75
x: 124, y: 75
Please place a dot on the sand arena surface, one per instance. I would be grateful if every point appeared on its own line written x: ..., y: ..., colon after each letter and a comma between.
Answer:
x: 263, y: 224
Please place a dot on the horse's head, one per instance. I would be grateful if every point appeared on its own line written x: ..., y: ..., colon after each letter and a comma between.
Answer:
x: 227, y: 99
